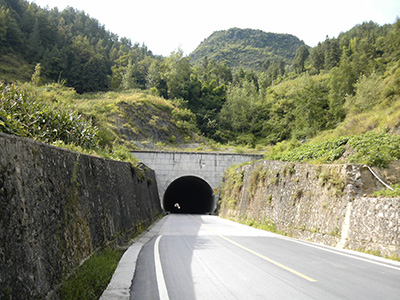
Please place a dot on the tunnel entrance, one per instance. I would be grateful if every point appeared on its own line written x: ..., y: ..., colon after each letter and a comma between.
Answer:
x: 189, y: 194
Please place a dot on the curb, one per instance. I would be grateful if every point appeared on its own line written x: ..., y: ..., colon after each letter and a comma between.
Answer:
x: 120, y: 284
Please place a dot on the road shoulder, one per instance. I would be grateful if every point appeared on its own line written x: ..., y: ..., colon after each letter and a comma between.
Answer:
x: 120, y: 284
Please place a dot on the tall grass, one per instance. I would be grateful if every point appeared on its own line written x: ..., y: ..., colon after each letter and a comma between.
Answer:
x: 92, y: 278
x: 23, y: 113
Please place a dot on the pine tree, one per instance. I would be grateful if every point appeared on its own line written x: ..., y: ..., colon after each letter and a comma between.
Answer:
x: 300, y: 58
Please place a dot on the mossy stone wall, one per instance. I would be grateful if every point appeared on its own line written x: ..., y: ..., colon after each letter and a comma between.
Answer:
x: 311, y: 202
x: 57, y: 207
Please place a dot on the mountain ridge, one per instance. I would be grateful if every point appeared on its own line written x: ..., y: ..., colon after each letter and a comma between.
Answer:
x: 247, y: 48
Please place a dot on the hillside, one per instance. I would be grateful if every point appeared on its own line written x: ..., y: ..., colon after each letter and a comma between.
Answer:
x: 247, y: 48
x: 345, y: 86
x: 103, y: 124
x: 70, y: 46
x: 133, y: 118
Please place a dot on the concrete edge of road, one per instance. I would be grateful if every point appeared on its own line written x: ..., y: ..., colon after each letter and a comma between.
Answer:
x: 121, y: 281
x: 347, y: 252
x: 338, y: 250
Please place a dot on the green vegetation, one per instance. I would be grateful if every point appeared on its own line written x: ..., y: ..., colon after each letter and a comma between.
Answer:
x: 22, y: 113
x: 92, y: 278
x: 305, y: 104
x: 379, y: 253
x: 232, y: 187
x: 371, y: 148
x: 388, y: 192
x: 248, y: 49
x: 105, y: 124
x: 70, y: 46
x: 264, y: 225
x: 65, y: 80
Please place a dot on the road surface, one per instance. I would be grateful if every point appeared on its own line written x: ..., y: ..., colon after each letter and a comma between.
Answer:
x: 205, y: 257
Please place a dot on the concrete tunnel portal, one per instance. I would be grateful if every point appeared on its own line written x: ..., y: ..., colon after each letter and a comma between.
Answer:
x: 190, y: 179
x: 189, y: 194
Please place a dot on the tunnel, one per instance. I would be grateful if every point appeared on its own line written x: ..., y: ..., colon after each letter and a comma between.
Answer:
x: 189, y: 194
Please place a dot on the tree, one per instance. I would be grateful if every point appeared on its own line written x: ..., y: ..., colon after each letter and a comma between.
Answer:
x: 312, y: 107
x: 276, y: 69
x: 156, y: 78
x: 10, y: 33
x: 300, y: 58
x: 3, y: 26
x: 241, y: 111
x: 317, y: 58
x: 332, y: 53
x: 178, y: 74
x: 128, y: 81
x: 86, y: 70
x: 34, y: 44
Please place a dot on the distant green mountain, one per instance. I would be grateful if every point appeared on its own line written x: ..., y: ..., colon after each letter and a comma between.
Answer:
x: 247, y: 48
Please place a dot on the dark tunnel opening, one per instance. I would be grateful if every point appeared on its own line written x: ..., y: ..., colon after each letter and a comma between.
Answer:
x: 189, y: 194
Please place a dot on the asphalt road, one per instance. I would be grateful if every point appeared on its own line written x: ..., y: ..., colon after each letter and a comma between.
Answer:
x: 206, y: 257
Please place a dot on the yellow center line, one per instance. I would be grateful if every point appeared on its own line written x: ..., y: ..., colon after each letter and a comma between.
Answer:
x: 258, y: 254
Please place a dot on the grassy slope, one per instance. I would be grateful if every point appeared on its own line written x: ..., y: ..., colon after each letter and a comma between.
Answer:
x: 132, y: 118
x: 14, y: 67
x: 371, y: 128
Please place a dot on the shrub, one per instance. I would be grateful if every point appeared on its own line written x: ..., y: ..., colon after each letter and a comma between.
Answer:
x: 23, y: 114
x: 371, y: 148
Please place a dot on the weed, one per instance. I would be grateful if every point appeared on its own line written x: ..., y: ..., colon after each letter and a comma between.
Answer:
x: 389, y: 193
x: 266, y: 224
x: 324, y: 177
x: 92, y: 277
x: 393, y: 256
x: 298, y: 194
x: 275, y: 179
x: 254, y: 178
x: 289, y: 170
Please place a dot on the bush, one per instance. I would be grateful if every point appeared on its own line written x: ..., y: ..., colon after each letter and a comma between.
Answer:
x: 23, y: 114
x: 371, y: 148
x: 375, y: 149
x: 327, y: 151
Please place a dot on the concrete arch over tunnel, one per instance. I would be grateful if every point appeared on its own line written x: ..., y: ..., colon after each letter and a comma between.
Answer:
x: 189, y: 194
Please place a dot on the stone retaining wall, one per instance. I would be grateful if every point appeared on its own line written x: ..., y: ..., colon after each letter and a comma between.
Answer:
x: 375, y: 225
x: 57, y: 207
x: 320, y: 203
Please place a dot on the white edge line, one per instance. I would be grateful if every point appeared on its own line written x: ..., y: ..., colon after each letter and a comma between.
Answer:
x: 120, y: 285
x: 162, y: 288
x: 351, y: 255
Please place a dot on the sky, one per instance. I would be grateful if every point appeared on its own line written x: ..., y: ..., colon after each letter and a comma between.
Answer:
x: 165, y: 26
